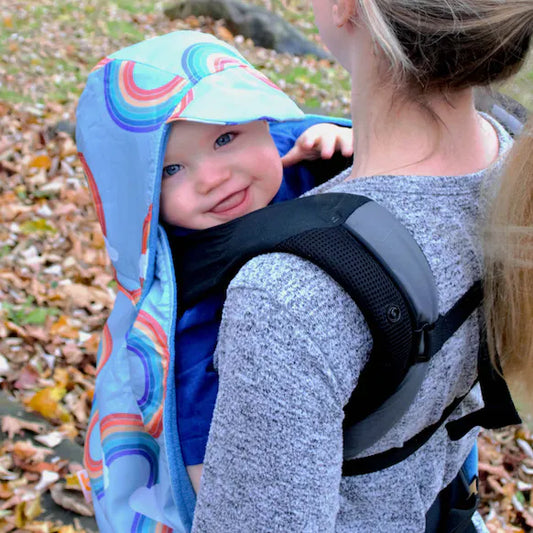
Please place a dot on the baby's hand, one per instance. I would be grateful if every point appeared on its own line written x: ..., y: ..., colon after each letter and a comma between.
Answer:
x: 320, y: 141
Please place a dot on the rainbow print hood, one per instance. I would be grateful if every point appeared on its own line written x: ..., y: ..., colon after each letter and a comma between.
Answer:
x: 132, y: 453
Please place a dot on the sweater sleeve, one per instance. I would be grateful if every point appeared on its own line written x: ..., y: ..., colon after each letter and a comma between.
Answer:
x: 274, y: 455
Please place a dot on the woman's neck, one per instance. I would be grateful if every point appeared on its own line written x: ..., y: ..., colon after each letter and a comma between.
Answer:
x: 397, y: 136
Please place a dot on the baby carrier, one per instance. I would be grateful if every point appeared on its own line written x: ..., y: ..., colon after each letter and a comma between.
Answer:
x: 377, y: 262
x: 132, y: 453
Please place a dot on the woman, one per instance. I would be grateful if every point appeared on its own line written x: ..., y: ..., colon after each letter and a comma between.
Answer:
x: 292, y: 343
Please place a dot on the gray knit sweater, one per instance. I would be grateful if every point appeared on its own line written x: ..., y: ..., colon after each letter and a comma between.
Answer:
x: 291, y: 346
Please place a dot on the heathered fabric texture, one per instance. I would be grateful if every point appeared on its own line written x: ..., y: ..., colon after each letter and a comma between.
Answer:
x: 291, y: 346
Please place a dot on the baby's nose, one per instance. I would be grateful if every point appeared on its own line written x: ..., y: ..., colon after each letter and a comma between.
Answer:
x: 211, y: 176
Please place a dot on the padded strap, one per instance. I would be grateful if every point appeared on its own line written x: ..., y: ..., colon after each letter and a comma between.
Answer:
x: 206, y: 261
x: 498, y: 410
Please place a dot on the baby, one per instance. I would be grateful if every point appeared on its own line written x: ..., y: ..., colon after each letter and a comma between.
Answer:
x: 212, y: 174
x: 215, y: 173
x: 181, y: 130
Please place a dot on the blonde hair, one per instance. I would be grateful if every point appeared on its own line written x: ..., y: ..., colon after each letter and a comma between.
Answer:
x: 509, y: 270
x: 449, y: 44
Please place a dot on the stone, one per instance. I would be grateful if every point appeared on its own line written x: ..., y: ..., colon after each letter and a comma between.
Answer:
x: 265, y: 28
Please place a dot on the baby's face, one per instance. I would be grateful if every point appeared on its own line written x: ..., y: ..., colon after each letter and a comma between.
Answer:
x: 215, y: 173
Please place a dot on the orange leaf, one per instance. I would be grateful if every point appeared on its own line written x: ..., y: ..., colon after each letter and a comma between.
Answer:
x: 91, y: 344
x: 46, y: 402
x: 41, y: 161
x: 224, y: 34
x: 62, y: 377
x: 8, y: 22
x: 25, y: 450
x: 8, y: 197
x: 63, y: 328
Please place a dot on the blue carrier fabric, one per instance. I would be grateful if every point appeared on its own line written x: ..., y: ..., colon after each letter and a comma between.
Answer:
x: 132, y: 453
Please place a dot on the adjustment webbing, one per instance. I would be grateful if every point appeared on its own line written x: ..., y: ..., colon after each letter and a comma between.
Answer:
x: 498, y: 410
x: 447, y: 324
x: 379, y: 461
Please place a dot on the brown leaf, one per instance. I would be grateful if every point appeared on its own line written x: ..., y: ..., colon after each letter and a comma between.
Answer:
x: 26, y: 450
x: 71, y: 501
x: 224, y: 34
x: 498, y: 471
x: 27, y: 378
x: 528, y: 518
x: 72, y: 354
x: 15, y: 426
x: 84, y: 296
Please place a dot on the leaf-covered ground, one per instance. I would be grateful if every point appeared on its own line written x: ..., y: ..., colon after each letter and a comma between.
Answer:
x: 55, y: 285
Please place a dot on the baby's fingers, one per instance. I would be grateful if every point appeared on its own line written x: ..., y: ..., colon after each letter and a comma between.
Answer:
x: 326, y: 147
x: 293, y: 156
x: 345, y: 142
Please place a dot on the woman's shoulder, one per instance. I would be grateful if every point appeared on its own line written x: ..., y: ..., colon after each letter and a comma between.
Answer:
x: 292, y: 282
x: 291, y: 298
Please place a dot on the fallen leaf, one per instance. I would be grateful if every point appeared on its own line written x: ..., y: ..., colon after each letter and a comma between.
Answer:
x: 27, y: 378
x: 72, y: 501
x: 224, y: 34
x: 26, y: 450
x: 48, y: 477
x: 51, y: 440
x: 41, y: 161
x: 84, y: 296
x: 46, y: 402
x: 27, y: 511
x: 15, y: 426
x: 62, y: 327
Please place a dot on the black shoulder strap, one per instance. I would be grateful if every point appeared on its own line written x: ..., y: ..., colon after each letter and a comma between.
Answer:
x: 362, y: 247
x: 498, y: 410
x: 375, y: 259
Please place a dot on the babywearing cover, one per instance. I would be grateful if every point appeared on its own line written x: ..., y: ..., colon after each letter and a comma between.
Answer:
x: 132, y: 452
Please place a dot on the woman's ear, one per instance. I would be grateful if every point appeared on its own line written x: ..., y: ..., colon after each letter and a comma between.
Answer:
x: 342, y: 12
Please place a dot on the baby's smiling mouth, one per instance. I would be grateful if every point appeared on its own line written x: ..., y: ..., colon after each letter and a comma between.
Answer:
x: 230, y: 202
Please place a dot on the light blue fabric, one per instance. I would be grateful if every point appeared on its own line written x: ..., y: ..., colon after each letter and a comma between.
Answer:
x: 133, y: 456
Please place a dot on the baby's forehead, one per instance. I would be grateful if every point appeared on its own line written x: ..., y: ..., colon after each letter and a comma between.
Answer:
x: 190, y: 133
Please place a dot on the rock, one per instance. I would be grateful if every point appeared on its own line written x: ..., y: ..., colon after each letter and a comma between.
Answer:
x: 266, y: 29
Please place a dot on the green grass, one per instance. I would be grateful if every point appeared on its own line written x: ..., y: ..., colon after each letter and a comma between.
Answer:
x: 28, y: 313
x: 14, y: 97
x: 135, y: 8
x: 119, y: 29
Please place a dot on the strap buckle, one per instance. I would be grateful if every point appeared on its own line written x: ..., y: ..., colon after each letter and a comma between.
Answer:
x: 424, y: 339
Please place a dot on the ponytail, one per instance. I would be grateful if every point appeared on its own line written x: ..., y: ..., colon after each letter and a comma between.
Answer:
x: 509, y: 271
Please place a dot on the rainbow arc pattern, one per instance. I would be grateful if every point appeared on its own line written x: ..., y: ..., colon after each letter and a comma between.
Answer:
x: 138, y: 99
x: 142, y: 109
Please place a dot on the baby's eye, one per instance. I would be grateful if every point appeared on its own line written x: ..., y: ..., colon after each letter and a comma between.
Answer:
x: 225, y: 138
x: 170, y: 170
